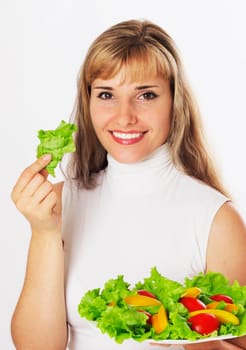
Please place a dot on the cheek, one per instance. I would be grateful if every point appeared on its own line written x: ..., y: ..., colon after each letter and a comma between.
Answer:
x: 101, y: 119
x: 96, y: 118
x: 162, y: 127
x: 161, y: 121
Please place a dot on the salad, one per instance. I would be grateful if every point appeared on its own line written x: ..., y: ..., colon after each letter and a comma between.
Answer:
x: 159, y: 308
x: 56, y: 142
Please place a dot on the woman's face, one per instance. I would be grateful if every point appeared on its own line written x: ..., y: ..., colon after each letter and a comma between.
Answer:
x: 131, y: 119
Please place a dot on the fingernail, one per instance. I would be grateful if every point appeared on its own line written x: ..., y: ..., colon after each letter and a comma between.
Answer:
x: 46, y: 157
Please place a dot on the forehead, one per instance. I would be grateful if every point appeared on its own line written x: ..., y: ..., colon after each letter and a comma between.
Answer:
x: 124, y: 77
x: 131, y: 74
x: 132, y: 68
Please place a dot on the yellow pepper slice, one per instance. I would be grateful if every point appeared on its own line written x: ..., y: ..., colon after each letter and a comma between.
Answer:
x: 192, y: 292
x: 228, y: 306
x: 141, y: 300
x: 159, y: 321
x: 222, y: 315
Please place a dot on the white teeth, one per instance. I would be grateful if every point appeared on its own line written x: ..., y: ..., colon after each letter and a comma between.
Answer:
x: 120, y: 135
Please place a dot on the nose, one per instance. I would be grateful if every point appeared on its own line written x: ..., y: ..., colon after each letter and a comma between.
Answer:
x: 126, y: 114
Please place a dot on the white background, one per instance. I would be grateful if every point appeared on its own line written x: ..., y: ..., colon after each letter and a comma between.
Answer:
x: 42, y: 45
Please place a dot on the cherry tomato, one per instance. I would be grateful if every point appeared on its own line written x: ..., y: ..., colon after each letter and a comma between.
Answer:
x: 146, y: 293
x: 204, y: 323
x: 192, y: 304
x: 222, y: 297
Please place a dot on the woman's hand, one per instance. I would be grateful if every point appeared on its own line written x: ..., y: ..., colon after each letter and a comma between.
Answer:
x: 213, y: 345
x: 35, y: 198
x: 43, y: 289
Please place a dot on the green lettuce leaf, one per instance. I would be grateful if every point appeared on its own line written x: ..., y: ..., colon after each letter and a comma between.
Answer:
x: 123, y: 323
x: 115, y: 290
x: 56, y: 142
x: 92, y: 305
x: 95, y: 301
x: 166, y: 290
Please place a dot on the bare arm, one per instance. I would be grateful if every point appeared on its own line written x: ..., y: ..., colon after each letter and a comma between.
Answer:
x: 227, y: 244
x: 39, y: 320
x: 226, y: 254
x: 226, y: 249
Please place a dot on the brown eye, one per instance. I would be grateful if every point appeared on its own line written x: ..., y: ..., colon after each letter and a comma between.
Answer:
x: 148, y: 96
x: 105, y: 95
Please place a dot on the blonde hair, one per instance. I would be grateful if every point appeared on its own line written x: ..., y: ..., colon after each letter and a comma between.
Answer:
x: 143, y: 49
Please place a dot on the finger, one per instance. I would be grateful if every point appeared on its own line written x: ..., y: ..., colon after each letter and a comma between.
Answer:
x: 42, y: 192
x: 29, y: 173
x: 45, y: 173
x: 49, y: 203
x: 161, y: 345
x: 33, y: 185
x: 238, y: 341
x: 197, y: 347
x: 230, y: 346
x: 213, y: 345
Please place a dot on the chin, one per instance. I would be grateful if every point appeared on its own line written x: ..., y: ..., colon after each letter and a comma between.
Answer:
x: 128, y: 158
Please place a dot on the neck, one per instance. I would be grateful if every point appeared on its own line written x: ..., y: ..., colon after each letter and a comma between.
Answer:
x: 141, y: 177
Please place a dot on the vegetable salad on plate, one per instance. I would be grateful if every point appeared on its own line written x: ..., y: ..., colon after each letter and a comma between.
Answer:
x: 159, y: 309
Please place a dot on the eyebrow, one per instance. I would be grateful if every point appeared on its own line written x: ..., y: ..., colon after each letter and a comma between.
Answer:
x: 103, y: 88
x: 141, y: 87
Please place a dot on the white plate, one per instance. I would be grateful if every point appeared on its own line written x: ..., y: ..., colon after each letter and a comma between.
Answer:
x: 176, y: 342
x: 182, y: 342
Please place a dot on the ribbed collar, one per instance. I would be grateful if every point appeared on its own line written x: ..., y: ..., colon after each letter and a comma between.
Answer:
x: 143, y: 177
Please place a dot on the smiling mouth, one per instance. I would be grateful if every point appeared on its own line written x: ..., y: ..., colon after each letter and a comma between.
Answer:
x: 127, y: 138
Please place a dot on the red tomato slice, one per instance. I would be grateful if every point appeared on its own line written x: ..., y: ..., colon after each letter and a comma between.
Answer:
x: 192, y: 304
x: 146, y: 293
x: 204, y: 323
x: 222, y: 297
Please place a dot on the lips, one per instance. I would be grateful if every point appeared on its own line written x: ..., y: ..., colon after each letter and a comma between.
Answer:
x: 127, y: 138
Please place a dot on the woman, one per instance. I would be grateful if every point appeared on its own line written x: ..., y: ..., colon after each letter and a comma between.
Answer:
x: 139, y: 182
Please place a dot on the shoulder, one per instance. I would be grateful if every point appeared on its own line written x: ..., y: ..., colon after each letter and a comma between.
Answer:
x: 200, y: 186
x: 227, y: 244
x: 196, y: 192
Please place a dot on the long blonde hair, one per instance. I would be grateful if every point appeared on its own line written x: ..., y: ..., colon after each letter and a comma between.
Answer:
x: 143, y: 48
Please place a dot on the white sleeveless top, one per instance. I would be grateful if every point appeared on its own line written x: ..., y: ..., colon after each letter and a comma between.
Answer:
x: 139, y: 216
